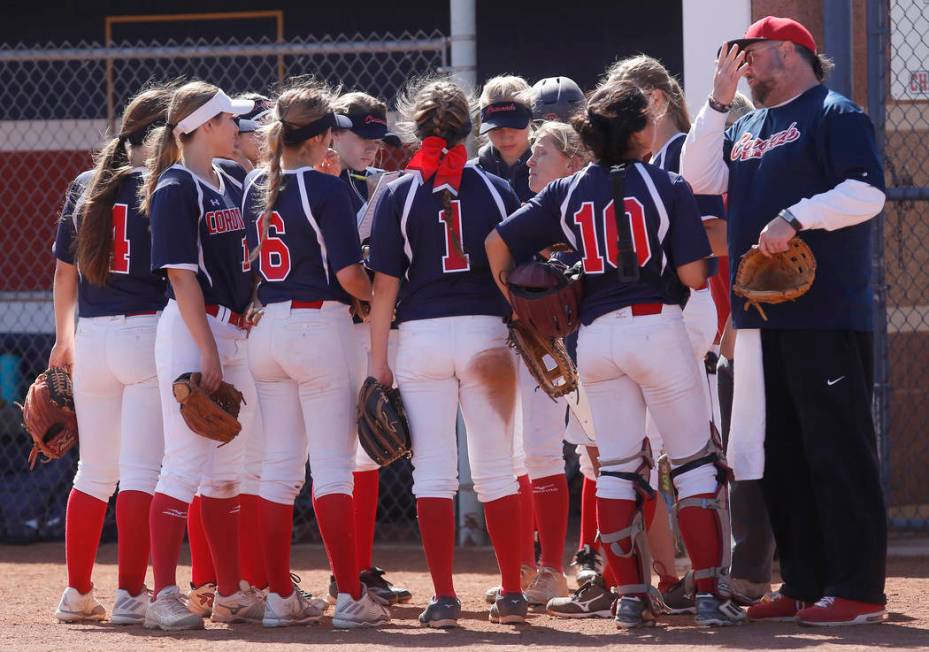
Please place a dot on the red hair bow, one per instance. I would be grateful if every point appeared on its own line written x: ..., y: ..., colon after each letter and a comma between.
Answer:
x: 434, y: 159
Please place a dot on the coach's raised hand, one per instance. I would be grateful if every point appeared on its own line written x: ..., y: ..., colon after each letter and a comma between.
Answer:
x: 730, y: 67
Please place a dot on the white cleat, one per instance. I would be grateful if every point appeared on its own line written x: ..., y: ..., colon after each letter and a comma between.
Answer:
x: 130, y: 609
x: 75, y: 607
x: 244, y: 606
x: 367, y: 611
x: 295, y: 609
x: 200, y: 599
x: 169, y: 612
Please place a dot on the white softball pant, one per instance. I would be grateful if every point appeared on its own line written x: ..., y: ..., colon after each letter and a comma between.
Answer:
x: 701, y: 325
x: 540, y: 427
x: 628, y: 364
x: 442, y: 363
x: 118, y: 405
x: 306, y: 399
x: 192, y: 461
x: 357, y: 344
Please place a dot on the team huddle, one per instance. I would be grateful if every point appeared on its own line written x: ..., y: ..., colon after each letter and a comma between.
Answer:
x: 251, y: 240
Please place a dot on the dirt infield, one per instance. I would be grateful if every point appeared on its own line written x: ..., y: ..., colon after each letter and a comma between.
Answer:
x: 32, y: 578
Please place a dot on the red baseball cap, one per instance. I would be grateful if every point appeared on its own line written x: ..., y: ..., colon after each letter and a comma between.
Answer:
x: 772, y: 28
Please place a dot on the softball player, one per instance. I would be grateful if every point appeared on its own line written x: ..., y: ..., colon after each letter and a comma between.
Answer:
x: 199, y: 240
x: 633, y: 350
x: 506, y: 112
x: 357, y: 147
x: 425, y: 248
x: 103, y: 253
x: 309, y: 264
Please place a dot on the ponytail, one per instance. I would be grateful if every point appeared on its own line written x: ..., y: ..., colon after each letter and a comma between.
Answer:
x: 165, y: 153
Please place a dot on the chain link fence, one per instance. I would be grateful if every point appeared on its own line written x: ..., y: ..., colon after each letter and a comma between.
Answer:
x: 898, y: 79
x: 56, y: 104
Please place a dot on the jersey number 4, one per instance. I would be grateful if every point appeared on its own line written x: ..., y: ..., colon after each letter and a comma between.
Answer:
x: 455, y: 258
x: 274, y: 262
x: 586, y: 220
x: 120, y: 261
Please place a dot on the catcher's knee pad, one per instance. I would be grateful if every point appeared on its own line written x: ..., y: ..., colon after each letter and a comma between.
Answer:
x: 632, y: 540
x: 709, y: 474
x: 627, y: 478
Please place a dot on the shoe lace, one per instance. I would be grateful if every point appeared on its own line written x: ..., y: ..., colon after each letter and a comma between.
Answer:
x: 827, y: 601
x: 306, y: 595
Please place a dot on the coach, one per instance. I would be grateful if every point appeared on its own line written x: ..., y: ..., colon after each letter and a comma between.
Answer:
x: 804, y: 164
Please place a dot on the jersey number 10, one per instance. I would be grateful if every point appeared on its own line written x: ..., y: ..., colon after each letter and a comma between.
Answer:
x: 586, y: 220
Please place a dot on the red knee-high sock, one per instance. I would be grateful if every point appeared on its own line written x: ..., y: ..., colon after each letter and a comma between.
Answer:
x: 526, y: 544
x: 364, y: 498
x: 221, y: 524
x: 132, y: 509
x: 437, y: 529
x: 550, y: 504
x: 166, y: 519
x: 277, y: 524
x: 202, y: 570
x: 251, y: 542
x: 613, y: 516
x: 502, y: 517
x: 588, y: 514
x: 83, y: 524
x: 700, y: 529
x: 339, y: 538
x: 609, y: 577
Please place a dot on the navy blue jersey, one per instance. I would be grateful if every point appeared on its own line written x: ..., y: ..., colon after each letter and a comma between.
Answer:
x: 199, y: 227
x: 234, y: 172
x: 777, y: 157
x: 440, y: 257
x: 311, y: 236
x: 131, y: 286
x: 517, y: 175
x: 666, y: 227
x: 669, y: 158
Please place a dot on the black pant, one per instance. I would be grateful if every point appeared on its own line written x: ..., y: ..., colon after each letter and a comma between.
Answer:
x: 753, y: 542
x: 821, y: 480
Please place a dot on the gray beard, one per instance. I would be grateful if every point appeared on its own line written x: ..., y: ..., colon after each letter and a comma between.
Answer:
x: 760, y: 92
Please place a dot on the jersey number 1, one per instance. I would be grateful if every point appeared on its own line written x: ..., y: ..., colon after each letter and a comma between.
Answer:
x: 585, y: 219
x: 455, y: 258
x: 120, y: 261
x: 275, y: 256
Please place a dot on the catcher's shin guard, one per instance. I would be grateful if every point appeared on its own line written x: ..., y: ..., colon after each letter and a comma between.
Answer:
x: 712, y: 454
x: 632, y: 541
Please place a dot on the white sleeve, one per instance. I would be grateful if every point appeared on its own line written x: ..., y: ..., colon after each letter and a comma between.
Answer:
x: 849, y: 203
x: 702, y: 163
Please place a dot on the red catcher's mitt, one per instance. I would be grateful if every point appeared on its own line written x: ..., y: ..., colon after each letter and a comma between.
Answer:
x: 546, y: 297
x: 214, y: 416
x: 48, y: 416
x: 786, y: 276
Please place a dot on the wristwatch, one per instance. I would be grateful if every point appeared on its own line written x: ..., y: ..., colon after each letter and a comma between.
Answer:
x: 789, y: 217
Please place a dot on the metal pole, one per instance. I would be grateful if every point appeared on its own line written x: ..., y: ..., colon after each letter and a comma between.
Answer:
x: 464, y: 42
x: 837, y: 32
x: 876, y: 109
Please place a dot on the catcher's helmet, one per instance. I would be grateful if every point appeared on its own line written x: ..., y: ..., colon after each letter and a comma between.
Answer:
x: 557, y: 98
x: 546, y: 297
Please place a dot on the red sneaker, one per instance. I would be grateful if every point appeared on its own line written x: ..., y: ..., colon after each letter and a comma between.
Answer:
x: 776, y: 607
x: 832, y: 612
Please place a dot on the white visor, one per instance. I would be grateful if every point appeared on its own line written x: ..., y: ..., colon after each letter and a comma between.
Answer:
x: 219, y: 103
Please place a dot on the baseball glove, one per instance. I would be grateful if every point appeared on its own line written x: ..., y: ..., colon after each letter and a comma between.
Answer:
x: 48, y: 416
x: 214, y: 416
x: 536, y: 350
x: 383, y: 430
x: 775, y: 279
